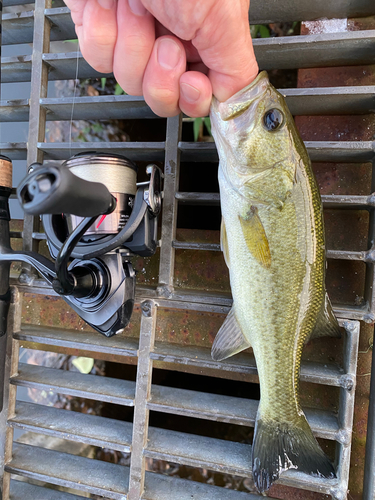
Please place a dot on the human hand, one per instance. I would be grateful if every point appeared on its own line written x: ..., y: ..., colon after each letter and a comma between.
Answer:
x: 174, y: 53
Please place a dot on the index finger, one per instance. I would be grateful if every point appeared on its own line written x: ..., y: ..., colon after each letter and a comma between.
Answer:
x: 96, y: 28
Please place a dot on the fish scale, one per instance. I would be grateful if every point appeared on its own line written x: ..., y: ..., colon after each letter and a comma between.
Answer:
x: 273, y: 240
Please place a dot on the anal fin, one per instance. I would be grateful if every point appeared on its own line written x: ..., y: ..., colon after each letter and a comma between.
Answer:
x: 326, y: 323
x: 229, y: 339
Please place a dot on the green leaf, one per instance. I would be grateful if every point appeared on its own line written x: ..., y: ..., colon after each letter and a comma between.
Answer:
x: 104, y: 81
x: 264, y: 31
x: 254, y: 28
x: 84, y: 365
x: 97, y: 128
x: 197, y: 128
x: 207, y: 122
x: 118, y: 89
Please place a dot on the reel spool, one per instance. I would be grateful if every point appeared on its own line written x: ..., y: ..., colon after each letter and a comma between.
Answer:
x: 119, y: 175
x: 124, y: 226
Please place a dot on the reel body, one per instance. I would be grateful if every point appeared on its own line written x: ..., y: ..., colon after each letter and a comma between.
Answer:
x: 93, y: 230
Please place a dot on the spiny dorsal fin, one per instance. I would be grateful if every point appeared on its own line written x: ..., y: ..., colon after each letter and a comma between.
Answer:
x: 229, y: 339
x: 326, y: 323
x: 255, y: 237
x: 224, y: 242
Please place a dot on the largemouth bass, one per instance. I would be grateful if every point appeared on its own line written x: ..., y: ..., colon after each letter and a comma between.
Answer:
x: 272, y: 237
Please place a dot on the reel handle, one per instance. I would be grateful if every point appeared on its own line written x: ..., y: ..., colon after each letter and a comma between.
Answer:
x: 54, y: 189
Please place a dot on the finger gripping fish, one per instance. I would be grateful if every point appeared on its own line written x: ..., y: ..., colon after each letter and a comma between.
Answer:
x: 272, y: 237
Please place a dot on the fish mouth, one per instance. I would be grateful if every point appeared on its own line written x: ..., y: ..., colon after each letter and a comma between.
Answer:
x: 252, y: 91
x: 242, y: 100
x: 234, y: 106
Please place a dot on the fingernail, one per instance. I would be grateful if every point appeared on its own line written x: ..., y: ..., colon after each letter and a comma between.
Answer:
x: 189, y: 93
x: 137, y: 7
x: 106, y: 4
x: 169, y: 53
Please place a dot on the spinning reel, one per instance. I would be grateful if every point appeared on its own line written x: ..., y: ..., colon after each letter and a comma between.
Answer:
x: 95, y: 217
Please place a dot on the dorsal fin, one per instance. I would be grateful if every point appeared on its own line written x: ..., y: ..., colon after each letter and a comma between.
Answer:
x: 255, y: 237
x: 229, y: 339
x: 326, y: 323
x: 224, y: 242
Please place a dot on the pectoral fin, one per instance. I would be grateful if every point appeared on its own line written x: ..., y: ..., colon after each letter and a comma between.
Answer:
x: 224, y: 242
x: 229, y: 339
x: 326, y: 323
x: 255, y: 237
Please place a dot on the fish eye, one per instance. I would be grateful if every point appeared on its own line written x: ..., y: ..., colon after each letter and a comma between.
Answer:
x: 273, y: 119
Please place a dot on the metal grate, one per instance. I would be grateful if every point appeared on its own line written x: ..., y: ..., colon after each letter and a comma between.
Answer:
x: 41, y: 25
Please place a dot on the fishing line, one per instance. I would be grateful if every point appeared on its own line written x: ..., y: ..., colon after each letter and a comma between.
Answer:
x: 74, y: 97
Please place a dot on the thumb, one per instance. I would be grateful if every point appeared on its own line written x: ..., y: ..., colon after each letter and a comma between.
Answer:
x: 225, y: 46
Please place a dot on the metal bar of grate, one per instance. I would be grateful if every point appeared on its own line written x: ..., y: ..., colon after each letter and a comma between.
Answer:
x: 141, y: 414
x: 228, y: 409
x: 334, y: 49
x: 8, y: 3
x: 11, y: 364
x: 62, y: 28
x: 117, y: 435
x: 76, y: 384
x: 244, y: 363
x: 340, y: 152
x: 369, y: 476
x: 158, y: 487
x: 302, y: 10
x: 85, y: 108
x: 315, y: 101
x: 94, y: 430
x: 19, y: 490
x: 14, y: 150
x: 367, y: 256
x: 70, y: 471
x: 169, y: 222
x: 141, y: 151
x: 203, y: 301
x: 331, y: 201
x: 37, y: 121
x: 311, y: 51
x: 343, y: 152
x: 88, y: 341
x: 346, y: 408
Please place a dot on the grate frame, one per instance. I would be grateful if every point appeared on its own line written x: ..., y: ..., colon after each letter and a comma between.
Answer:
x: 45, y: 24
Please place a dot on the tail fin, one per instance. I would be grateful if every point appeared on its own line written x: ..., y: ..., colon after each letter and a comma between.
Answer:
x: 281, y: 446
